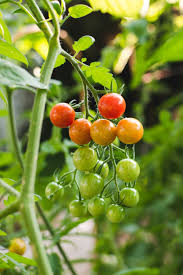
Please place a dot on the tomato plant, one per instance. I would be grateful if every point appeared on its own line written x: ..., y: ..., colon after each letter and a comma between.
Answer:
x: 54, y: 191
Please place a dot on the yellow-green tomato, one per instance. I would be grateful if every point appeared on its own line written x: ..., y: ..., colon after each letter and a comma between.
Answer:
x: 102, y: 172
x: 128, y: 170
x: 96, y: 206
x: 115, y: 213
x: 54, y: 191
x: 85, y: 158
x: 129, y: 197
x: 78, y: 208
x: 91, y: 185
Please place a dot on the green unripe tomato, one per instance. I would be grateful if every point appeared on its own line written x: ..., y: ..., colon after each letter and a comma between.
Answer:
x: 54, y: 191
x: 128, y: 170
x: 102, y: 172
x: 85, y: 158
x: 78, y: 208
x: 96, y: 207
x: 129, y: 197
x: 91, y: 185
x: 115, y: 213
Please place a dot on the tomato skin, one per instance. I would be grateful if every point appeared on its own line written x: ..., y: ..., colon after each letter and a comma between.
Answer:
x: 17, y: 246
x: 79, y: 131
x: 54, y: 191
x: 91, y: 185
x: 85, y: 158
x: 130, y: 130
x: 96, y: 206
x: 127, y: 170
x: 129, y: 197
x: 77, y: 208
x: 62, y: 115
x: 115, y: 213
x: 112, y: 106
x: 102, y: 172
x: 103, y: 132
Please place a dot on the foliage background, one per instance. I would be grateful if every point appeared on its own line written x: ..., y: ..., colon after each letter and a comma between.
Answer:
x: 151, y: 235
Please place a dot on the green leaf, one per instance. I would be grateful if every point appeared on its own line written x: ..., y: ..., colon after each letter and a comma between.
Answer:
x: 55, y: 264
x: 19, y: 11
x: 3, y: 112
x: 83, y: 43
x: 79, y: 11
x: 2, y: 233
x: 10, y: 51
x: 2, y: 96
x: 139, y: 271
x: 60, y: 61
x: 13, y: 75
x: 7, y: 35
x: 21, y: 259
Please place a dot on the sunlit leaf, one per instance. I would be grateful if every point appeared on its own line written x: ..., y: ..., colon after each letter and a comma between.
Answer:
x: 10, y: 51
x: 3, y: 97
x: 21, y: 259
x: 55, y: 263
x: 7, y: 35
x: 2, y: 233
x: 60, y: 61
x: 78, y: 11
x: 83, y: 43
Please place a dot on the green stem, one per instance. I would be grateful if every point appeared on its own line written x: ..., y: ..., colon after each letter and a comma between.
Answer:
x: 27, y: 195
x: 83, y: 77
x: 14, y: 137
x: 12, y: 208
x: 86, y: 101
x: 9, y: 188
x: 114, y: 167
x: 50, y: 229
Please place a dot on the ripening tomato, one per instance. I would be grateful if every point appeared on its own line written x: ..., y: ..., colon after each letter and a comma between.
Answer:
x: 91, y: 185
x: 102, y: 172
x: 17, y: 246
x: 54, y: 191
x: 127, y: 170
x: 103, y: 132
x: 129, y: 197
x: 96, y: 206
x: 130, y: 130
x: 85, y: 158
x: 78, y: 208
x: 62, y: 115
x: 115, y: 213
x: 112, y: 106
x: 79, y: 131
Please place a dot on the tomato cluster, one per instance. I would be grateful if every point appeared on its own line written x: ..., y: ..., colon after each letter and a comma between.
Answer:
x: 94, y: 171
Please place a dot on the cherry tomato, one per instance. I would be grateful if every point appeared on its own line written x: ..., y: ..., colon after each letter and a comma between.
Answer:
x: 112, y: 106
x: 54, y: 191
x: 78, y: 208
x: 79, y: 131
x: 115, y: 213
x: 128, y: 170
x: 130, y: 130
x: 103, y: 132
x: 17, y: 246
x: 62, y: 115
x: 85, y: 158
x: 91, y: 185
x: 129, y: 197
x: 102, y: 172
x: 96, y: 206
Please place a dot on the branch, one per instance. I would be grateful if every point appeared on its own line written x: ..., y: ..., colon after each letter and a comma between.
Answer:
x: 12, y: 208
x: 9, y: 188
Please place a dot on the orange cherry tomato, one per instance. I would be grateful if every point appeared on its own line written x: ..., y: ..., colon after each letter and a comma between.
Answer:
x: 17, y: 246
x: 130, y: 130
x: 79, y: 131
x: 103, y: 132
x: 62, y: 115
x: 112, y: 106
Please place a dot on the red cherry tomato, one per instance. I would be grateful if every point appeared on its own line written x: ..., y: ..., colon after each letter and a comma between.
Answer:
x: 112, y: 106
x: 103, y: 132
x: 130, y: 130
x: 62, y: 115
x: 79, y: 131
